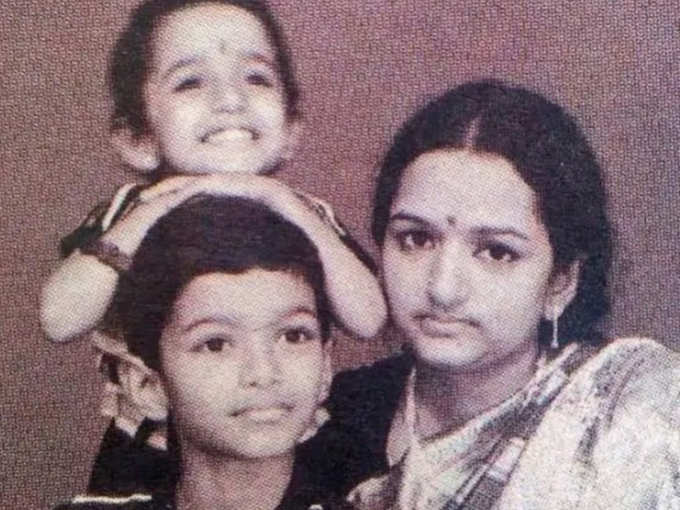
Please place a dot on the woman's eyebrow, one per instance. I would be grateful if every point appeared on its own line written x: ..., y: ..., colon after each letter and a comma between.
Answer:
x: 499, y: 231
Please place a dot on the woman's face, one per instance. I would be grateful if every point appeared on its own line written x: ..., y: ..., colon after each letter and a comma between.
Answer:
x: 467, y: 261
x: 243, y: 363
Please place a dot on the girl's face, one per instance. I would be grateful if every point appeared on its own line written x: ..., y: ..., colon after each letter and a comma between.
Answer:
x: 214, y: 98
x: 244, y: 367
x: 467, y: 261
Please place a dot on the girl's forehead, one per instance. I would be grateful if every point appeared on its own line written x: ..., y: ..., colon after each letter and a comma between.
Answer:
x: 210, y: 27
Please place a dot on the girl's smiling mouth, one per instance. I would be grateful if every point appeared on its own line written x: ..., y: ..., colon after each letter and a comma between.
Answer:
x: 226, y: 135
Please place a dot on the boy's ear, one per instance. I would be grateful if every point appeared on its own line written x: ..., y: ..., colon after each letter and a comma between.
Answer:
x: 295, y: 129
x: 563, y: 287
x: 141, y: 152
x: 145, y: 389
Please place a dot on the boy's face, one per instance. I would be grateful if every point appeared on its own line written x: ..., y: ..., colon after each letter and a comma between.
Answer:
x: 243, y: 364
x: 214, y: 98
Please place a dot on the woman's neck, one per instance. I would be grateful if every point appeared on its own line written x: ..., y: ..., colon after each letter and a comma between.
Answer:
x: 211, y: 482
x: 446, y: 398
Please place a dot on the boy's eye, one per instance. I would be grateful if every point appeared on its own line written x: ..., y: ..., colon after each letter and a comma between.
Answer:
x: 412, y: 240
x: 260, y: 79
x: 188, y: 84
x: 214, y: 344
x: 297, y: 335
x: 498, y: 252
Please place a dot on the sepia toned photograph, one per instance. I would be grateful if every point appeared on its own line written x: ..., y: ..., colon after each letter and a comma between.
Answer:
x: 340, y: 254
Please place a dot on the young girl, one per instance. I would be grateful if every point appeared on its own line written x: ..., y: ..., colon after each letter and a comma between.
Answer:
x: 199, y: 87
x: 224, y: 310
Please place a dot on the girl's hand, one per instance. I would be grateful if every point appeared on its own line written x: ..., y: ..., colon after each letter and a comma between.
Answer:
x: 158, y: 200
x: 152, y: 204
x: 166, y: 186
x: 269, y: 191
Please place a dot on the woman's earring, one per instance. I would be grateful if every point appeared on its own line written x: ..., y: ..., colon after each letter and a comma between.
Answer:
x: 555, y: 344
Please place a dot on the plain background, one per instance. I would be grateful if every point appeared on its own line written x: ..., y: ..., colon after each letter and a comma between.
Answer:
x: 363, y: 67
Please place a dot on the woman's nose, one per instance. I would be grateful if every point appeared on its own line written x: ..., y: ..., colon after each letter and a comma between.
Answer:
x: 448, y: 284
x: 260, y: 367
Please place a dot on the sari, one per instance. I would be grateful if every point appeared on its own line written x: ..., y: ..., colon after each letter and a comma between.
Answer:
x: 606, y: 435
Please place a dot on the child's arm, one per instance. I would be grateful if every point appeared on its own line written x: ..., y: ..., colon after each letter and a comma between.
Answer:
x: 75, y: 297
x: 353, y: 290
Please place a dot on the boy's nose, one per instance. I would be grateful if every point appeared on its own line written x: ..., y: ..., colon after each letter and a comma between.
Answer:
x: 448, y: 282
x: 261, y: 367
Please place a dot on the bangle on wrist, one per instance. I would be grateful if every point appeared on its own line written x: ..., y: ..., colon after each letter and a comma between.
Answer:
x: 108, y: 254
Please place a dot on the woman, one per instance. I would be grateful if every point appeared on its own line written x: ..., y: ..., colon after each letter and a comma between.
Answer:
x: 226, y: 324
x: 490, y: 214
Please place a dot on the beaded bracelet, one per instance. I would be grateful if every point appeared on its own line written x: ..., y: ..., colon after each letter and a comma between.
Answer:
x: 108, y: 254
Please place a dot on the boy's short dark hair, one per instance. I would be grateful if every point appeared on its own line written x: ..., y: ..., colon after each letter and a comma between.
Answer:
x: 207, y: 235
x: 549, y: 151
x: 129, y: 62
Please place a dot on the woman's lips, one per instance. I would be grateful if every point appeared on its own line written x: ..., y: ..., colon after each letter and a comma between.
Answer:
x: 438, y: 326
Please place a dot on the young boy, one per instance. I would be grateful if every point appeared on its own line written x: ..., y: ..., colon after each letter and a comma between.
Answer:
x: 224, y: 310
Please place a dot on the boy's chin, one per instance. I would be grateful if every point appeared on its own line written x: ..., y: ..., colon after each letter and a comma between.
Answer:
x: 264, y: 448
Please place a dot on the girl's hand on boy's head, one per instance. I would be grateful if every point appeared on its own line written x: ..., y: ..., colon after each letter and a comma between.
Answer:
x: 152, y: 204
x: 267, y: 190
x: 271, y: 192
x: 168, y: 185
x: 255, y: 187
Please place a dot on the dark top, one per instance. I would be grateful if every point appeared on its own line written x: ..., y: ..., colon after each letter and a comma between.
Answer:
x: 143, y: 471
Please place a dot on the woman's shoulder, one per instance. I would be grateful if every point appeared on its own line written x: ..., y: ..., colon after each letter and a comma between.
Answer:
x: 372, y: 387
x: 636, y: 380
x: 636, y: 360
x: 93, y: 502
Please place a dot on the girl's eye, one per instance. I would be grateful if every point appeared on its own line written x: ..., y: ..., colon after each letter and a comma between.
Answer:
x: 188, y: 84
x: 297, y: 336
x: 498, y: 253
x: 259, y: 79
x: 412, y: 240
x: 214, y: 344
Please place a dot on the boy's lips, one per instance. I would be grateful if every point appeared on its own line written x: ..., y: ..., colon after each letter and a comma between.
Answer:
x: 226, y: 135
x: 269, y: 414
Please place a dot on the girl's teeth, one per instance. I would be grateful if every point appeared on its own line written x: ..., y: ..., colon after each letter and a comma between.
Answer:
x: 229, y: 135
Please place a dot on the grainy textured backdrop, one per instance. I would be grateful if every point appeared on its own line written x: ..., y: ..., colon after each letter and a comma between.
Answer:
x: 364, y: 66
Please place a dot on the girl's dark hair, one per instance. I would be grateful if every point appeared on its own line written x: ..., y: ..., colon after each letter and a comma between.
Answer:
x: 131, y: 56
x: 550, y: 152
x: 207, y: 235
